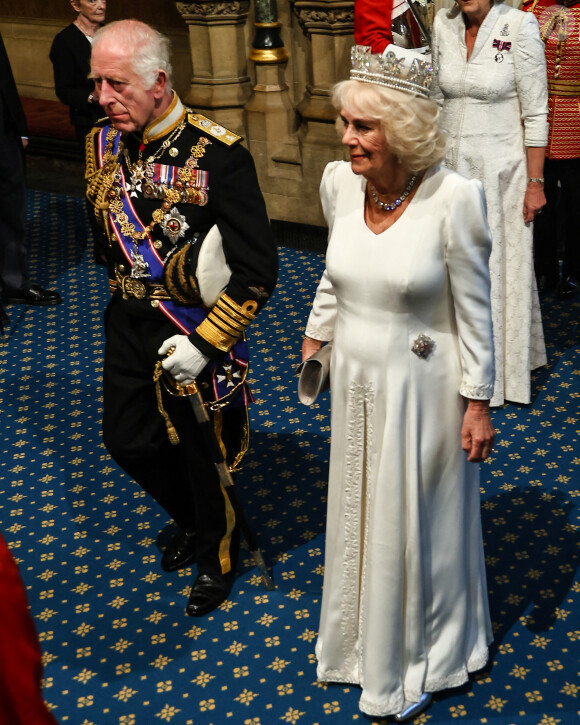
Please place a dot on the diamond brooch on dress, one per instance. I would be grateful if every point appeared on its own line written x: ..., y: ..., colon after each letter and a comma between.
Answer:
x: 423, y: 346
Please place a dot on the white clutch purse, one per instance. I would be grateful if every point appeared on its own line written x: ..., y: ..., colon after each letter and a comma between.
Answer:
x: 314, y: 375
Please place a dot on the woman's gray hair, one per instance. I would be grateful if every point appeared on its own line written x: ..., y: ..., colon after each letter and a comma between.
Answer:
x: 410, y: 124
x: 148, y: 49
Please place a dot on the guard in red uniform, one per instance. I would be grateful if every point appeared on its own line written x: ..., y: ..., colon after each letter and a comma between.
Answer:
x: 378, y: 24
x: 21, y: 700
x: 559, y: 26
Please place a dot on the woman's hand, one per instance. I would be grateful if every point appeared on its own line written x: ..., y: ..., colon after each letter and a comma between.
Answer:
x: 534, y: 198
x: 534, y: 201
x: 477, y: 433
x: 309, y: 347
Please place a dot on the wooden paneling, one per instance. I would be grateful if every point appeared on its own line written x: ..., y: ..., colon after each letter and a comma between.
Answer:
x: 29, y: 27
x: 161, y: 13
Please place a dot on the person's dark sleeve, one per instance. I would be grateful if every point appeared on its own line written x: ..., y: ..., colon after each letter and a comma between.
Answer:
x: 372, y: 23
x: 70, y: 89
x: 249, y: 248
x: 9, y: 98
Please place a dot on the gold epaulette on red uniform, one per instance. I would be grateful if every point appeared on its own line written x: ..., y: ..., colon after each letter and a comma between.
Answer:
x: 557, y: 25
x: 213, y: 129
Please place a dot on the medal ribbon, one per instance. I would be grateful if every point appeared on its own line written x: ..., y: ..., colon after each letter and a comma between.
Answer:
x: 502, y: 44
x: 165, y: 174
x: 186, y: 317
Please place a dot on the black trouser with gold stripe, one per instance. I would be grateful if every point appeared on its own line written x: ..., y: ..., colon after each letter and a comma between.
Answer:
x: 181, y: 478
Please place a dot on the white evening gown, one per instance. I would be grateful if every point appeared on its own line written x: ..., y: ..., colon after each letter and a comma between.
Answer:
x: 404, y: 607
x: 493, y: 109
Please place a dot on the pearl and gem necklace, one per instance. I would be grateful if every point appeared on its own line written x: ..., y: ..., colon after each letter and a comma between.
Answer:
x: 391, y: 206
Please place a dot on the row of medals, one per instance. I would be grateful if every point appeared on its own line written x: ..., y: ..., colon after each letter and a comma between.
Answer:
x: 172, y: 223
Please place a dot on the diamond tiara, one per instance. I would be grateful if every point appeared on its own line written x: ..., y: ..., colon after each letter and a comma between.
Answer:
x: 388, y: 70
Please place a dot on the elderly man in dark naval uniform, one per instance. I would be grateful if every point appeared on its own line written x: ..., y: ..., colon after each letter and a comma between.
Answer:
x: 191, y: 261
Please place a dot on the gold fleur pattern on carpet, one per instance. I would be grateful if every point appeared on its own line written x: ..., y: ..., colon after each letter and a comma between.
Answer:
x: 117, y: 646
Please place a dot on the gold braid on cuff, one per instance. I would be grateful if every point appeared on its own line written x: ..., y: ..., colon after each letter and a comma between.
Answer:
x: 226, y: 322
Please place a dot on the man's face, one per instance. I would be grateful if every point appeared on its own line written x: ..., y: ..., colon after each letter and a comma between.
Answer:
x: 121, y: 92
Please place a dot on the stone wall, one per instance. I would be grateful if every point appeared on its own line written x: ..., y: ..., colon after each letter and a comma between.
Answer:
x: 279, y: 103
x: 28, y: 27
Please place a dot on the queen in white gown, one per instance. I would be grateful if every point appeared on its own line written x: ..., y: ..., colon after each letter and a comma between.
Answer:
x: 405, y: 300
x: 492, y: 85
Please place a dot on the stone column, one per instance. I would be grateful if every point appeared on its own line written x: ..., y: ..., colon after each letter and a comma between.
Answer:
x: 329, y: 24
x: 220, y: 84
x: 268, y: 46
x: 271, y: 116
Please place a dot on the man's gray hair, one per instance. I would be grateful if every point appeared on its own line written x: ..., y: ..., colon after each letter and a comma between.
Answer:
x: 149, y: 50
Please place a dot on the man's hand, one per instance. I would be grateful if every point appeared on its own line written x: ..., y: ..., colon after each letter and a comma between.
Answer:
x: 186, y: 362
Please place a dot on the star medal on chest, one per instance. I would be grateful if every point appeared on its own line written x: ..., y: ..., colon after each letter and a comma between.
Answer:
x: 174, y: 225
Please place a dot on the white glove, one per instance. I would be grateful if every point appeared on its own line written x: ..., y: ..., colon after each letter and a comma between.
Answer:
x: 186, y: 362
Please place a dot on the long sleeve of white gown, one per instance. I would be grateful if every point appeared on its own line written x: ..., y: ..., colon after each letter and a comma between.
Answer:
x: 467, y: 257
x: 532, y: 82
x: 320, y: 324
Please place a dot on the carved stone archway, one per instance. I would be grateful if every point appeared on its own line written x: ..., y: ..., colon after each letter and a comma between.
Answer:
x: 280, y: 101
x: 217, y: 36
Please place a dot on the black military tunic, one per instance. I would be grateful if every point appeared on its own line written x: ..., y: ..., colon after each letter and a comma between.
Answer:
x: 159, y: 194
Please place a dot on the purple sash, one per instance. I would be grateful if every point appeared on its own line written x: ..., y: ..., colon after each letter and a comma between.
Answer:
x: 224, y: 375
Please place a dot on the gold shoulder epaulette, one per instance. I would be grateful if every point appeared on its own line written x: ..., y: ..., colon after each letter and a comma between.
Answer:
x: 98, y: 125
x: 91, y: 152
x: 213, y: 129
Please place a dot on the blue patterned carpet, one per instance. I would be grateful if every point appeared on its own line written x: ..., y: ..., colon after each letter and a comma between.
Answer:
x: 118, y: 648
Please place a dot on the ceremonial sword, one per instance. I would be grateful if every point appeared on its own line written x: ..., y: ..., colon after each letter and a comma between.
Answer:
x: 419, y: 20
x: 193, y: 392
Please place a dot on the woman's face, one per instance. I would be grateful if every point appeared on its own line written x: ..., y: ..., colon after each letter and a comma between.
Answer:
x: 92, y: 10
x: 369, y: 152
x: 479, y: 8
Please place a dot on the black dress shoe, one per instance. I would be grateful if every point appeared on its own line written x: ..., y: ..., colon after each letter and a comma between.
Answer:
x: 569, y: 287
x: 180, y: 552
x: 208, y: 592
x: 546, y: 284
x: 34, y: 295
